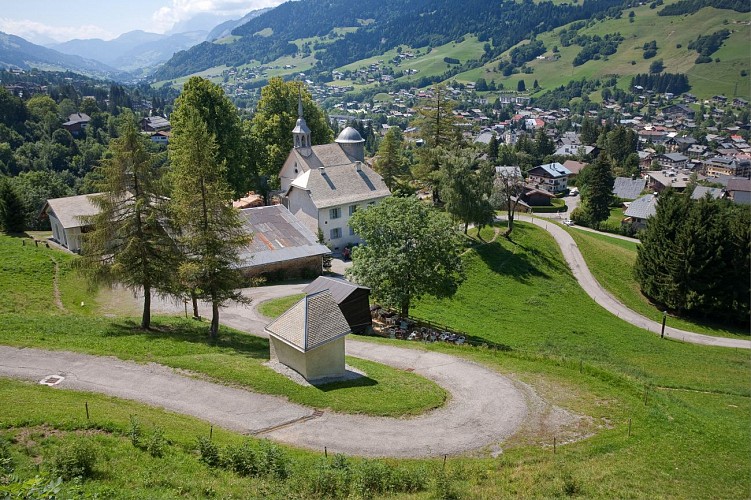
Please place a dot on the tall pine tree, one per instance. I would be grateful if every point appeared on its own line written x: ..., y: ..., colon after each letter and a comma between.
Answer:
x: 211, y: 232
x: 11, y: 208
x: 129, y: 243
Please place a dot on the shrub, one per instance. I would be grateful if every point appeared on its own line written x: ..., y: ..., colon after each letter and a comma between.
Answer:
x: 6, y: 459
x: 135, y: 432
x: 242, y: 459
x: 74, y: 459
x: 156, y: 443
x: 272, y: 461
x: 209, y: 452
x: 332, y: 479
x: 445, y: 489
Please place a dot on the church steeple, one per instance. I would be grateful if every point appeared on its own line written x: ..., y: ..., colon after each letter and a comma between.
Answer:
x: 301, y: 132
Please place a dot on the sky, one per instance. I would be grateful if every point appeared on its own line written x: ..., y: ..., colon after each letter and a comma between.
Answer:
x: 49, y: 21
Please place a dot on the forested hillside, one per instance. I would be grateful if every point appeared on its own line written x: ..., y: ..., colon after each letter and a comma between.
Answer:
x: 381, y: 25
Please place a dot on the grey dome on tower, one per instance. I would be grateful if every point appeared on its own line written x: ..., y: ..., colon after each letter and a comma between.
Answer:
x: 352, y: 143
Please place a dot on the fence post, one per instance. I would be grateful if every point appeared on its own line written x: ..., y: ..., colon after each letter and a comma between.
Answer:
x: 87, y: 410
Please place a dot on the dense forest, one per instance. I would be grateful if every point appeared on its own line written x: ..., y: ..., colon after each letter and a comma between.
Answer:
x: 691, y: 6
x: 383, y: 25
x: 676, y: 83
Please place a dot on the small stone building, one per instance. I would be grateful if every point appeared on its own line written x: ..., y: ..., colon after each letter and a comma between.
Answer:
x: 309, y: 337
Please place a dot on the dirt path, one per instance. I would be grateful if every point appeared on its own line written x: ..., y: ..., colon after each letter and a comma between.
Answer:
x: 56, y: 286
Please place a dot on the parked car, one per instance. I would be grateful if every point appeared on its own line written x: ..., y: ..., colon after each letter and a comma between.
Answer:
x: 568, y: 222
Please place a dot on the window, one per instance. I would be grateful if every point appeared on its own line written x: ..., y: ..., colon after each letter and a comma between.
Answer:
x: 335, y: 233
x: 351, y: 232
x: 352, y: 210
x: 335, y: 213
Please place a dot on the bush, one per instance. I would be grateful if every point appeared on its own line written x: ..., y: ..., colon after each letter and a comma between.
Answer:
x: 209, y: 452
x: 156, y: 443
x: 272, y: 461
x: 6, y: 459
x: 74, y: 459
x: 242, y: 459
x: 445, y: 489
x: 134, y: 432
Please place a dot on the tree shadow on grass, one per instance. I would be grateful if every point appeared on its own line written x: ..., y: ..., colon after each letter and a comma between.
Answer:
x: 192, y: 333
x: 517, y: 265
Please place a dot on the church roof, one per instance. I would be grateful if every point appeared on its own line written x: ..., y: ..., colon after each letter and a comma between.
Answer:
x: 301, y: 127
x: 323, y: 155
x: 349, y: 136
x: 314, y: 321
x: 342, y: 184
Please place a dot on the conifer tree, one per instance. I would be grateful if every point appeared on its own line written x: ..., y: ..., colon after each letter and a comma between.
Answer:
x: 597, y: 190
x: 129, y: 243
x: 390, y: 163
x: 211, y: 232
x: 11, y: 209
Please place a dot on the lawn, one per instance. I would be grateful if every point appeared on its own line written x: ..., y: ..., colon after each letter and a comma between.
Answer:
x: 612, y: 260
x: 275, y: 307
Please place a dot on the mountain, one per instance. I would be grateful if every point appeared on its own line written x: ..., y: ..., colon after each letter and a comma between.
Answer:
x: 15, y: 52
x: 225, y: 28
x: 200, y: 22
x: 371, y: 27
x: 107, y: 51
x: 133, y: 50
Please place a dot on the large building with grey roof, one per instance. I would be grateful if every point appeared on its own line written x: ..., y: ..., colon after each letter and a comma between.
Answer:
x: 324, y: 185
x: 68, y: 218
x: 282, y: 247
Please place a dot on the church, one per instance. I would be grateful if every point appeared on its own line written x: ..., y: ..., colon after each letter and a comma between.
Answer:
x: 324, y: 185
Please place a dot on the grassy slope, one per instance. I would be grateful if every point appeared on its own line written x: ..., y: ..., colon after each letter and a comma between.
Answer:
x: 26, y: 319
x: 706, y: 79
x: 612, y: 262
x: 523, y: 295
x: 515, y: 300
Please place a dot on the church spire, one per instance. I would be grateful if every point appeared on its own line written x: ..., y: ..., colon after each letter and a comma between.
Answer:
x: 301, y: 132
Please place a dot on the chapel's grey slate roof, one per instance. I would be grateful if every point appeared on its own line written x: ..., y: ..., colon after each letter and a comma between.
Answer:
x: 342, y: 184
x: 642, y: 208
x: 323, y: 155
x: 77, y: 118
x: 701, y: 191
x: 278, y: 236
x: 340, y: 289
x: 314, y: 321
x: 628, y: 189
x: 70, y: 209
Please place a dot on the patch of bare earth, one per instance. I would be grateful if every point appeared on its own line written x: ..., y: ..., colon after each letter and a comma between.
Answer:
x: 549, y: 419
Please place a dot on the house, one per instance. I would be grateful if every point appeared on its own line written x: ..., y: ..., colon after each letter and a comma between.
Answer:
x: 575, y: 150
x: 675, y: 111
x: 155, y: 124
x: 703, y: 191
x: 282, y: 248
x: 739, y: 191
x: 309, y: 337
x: 679, y: 144
x: 77, y: 123
x: 324, y: 185
x: 575, y: 167
x: 533, y: 197
x: 727, y: 165
x: 672, y: 160
x: 162, y: 137
x: 659, y: 180
x: 552, y: 177
x: 640, y: 210
x: 353, y: 300
x: 66, y: 214
x: 628, y: 189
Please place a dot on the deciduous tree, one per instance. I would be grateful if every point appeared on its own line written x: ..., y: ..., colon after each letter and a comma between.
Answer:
x: 218, y: 113
x: 411, y: 249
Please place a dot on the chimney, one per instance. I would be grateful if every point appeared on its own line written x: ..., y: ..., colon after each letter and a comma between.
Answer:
x: 322, y: 170
x: 358, y: 166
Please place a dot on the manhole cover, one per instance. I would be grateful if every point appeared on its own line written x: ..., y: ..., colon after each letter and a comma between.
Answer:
x: 317, y: 413
x: 51, y: 380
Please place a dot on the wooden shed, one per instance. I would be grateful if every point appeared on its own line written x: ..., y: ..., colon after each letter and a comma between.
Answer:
x: 353, y: 300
